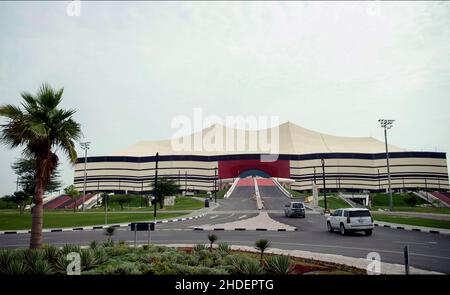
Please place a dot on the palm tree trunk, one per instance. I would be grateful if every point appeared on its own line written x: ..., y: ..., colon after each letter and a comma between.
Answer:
x: 36, y: 217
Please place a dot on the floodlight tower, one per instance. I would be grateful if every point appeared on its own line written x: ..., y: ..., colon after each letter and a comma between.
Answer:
x: 85, y: 147
x: 387, y: 124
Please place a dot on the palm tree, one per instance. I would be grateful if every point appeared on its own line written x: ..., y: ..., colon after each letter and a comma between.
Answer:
x: 73, y: 193
x: 212, y: 238
x: 262, y: 246
x: 109, y: 232
x: 41, y: 127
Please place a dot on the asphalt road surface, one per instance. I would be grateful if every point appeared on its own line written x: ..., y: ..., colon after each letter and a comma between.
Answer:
x: 427, y: 251
x: 240, y: 200
x: 273, y: 198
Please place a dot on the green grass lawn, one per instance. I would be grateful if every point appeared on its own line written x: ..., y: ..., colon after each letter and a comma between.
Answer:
x: 181, y: 203
x: 186, y: 203
x: 12, y: 220
x: 333, y: 203
x: 400, y: 200
x: 220, y: 194
x: 413, y: 221
x: 297, y: 194
x: 417, y: 209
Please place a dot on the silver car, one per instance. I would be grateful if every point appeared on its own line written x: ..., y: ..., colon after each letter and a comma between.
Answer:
x: 295, y: 209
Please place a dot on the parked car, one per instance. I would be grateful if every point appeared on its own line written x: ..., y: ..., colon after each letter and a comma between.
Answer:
x: 295, y: 209
x: 349, y: 220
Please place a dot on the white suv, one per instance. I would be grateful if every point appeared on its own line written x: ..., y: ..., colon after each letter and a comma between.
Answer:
x: 350, y: 219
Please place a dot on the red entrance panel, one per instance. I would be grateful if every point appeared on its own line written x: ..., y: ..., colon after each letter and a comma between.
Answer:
x: 232, y: 168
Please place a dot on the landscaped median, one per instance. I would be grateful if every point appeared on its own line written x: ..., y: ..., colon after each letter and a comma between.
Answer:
x: 121, y: 259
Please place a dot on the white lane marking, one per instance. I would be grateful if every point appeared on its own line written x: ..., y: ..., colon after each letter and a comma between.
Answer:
x: 243, y: 216
x: 409, y: 243
x: 212, y: 217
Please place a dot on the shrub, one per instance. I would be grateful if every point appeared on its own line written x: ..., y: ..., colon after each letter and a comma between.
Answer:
x: 262, y: 246
x: 6, y: 256
x: 109, y: 232
x: 125, y: 268
x: 212, y: 238
x: 93, y: 245
x: 280, y: 265
x: 32, y: 257
x: 122, y: 243
x: 61, y: 263
x: 41, y: 267
x: 87, y: 259
x: 14, y: 267
x: 201, y: 270
x: 69, y: 248
x: 224, y: 248
x: 100, y: 255
x: 199, y: 247
x: 51, y: 253
x: 246, y: 266
x: 411, y: 200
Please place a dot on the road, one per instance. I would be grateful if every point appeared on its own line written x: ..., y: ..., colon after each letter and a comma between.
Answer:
x: 427, y: 251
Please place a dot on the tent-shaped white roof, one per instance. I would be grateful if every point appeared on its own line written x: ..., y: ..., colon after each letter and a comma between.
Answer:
x: 286, y: 138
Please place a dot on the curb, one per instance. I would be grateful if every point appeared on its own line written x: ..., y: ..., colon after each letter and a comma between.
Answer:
x: 243, y: 229
x: 95, y: 227
x: 412, y: 228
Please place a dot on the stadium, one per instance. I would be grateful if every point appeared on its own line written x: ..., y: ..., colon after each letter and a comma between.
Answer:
x: 351, y: 163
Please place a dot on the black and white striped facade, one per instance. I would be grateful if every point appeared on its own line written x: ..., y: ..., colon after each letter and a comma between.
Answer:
x: 346, y: 168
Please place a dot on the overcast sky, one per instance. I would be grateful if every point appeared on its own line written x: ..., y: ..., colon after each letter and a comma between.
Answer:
x: 129, y: 68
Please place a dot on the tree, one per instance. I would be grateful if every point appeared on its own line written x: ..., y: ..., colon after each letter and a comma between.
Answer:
x: 165, y: 187
x: 25, y: 169
x: 109, y: 232
x: 40, y: 127
x: 20, y: 198
x: 262, y: 246
x: 73, y: 193
x: 212, y: 238
x: 121, y: 200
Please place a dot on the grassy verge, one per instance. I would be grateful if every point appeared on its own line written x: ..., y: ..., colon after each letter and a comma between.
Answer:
x: 16, y: 221
x: 416, y: 209
x: 413, y: 221
x: 181, y: 203
x: 399, y: 199
x: 220, y: 194
x: 333, y: 203
x: 297, y: 194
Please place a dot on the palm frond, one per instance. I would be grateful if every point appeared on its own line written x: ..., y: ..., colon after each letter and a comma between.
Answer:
x: 10, y: 111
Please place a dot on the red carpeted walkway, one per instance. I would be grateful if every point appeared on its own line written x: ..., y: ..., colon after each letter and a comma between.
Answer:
x: 245, y: 182
x: 265, y: 182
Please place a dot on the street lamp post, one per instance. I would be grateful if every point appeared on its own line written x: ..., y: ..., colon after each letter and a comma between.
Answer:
x: 156, y: 185
x: 85, y: 146
x: 314, y: 175
x: 387, y: 124
x: 215, y: 185
x: 379, y: 185
x: 324, y: 186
